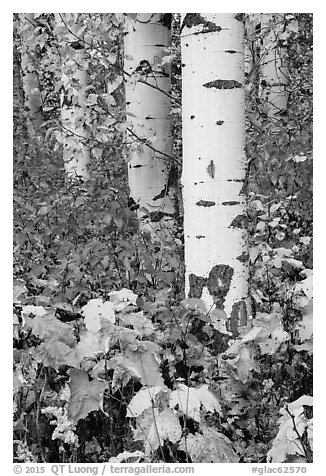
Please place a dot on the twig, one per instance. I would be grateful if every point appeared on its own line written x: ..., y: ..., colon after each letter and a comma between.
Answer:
x: 145, y: 142
x: 117, y: 66
x: 305, y: 449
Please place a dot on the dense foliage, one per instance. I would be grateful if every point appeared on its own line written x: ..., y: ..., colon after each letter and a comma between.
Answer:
x: 111, y: 362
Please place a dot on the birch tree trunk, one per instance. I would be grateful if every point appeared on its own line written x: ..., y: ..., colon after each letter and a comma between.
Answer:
x: 73, y: 109
x: 148, y: 111
x: 30, y: 78
x: 274, y: 70
x: 214, y: 163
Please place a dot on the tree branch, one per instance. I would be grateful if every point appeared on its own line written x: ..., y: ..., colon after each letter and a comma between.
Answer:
x: 145, y: 142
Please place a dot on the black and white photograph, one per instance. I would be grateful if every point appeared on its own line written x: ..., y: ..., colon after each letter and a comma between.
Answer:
x: 162, y: 241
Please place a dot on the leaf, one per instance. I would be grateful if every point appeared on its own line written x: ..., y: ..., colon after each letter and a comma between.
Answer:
x: 194, y: 304
x: 19, y: 290
x: 188, y: 400
x: 123, y: 298
x: 49, y: 327
x: 55, y: 353
x: 287, y: 443
x: 209, y: 447
x: 89, y: 345
x: 143, y: 365
x: 86, y: 396
x: 165, y: 427
x: 143, y: 399
x: 96, y: 309
x: 245, y: 363
x: 139, y: 322
x: 125, y: 456
x: 97, y: 152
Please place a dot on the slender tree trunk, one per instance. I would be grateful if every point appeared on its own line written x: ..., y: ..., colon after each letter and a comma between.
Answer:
x: 214, y: 163
x: 30, y: 78
x: 73, y: 108
x: 274, y: 70
x: 148, y: 111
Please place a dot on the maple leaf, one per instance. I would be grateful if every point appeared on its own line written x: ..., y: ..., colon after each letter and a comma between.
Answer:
x: 86, y: 396
x: 54, y: 353
x: 165, y: 427
x: 143, y: 399
x: 96, y: 309
x: 209, y: 447
x: 47, y: 326
x: 189, y: 400
x: 144, y: 365
x: 293, y: 423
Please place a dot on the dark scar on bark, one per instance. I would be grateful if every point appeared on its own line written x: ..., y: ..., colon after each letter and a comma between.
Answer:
x: 194, y: 19
x: 229, y: 204
x: 239, y: 221
x: 243, y: 258
x: 223, y: 84
x: 218, y: 283
x: 196, y: 284
x: 230, y: 51
x: 238, y: 317
x: 205, y: 203
x: 166, y: 20
x: 239, y: 16
x: 219, y: 280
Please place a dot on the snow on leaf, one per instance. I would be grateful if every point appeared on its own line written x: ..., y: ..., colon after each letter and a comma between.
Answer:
x: 189, y: 400
x: 287, y: 443
x: 96, y: 309
x: 209, y: 447
x: 165, y: 427
x: 86, y: 396
x: 143, y: 399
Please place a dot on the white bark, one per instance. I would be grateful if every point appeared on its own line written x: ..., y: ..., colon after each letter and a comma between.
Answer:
x: 274, y: 70
x: 30, y: 79
x: 214, y: 162
x: 148, y: 112
x: 73, y: 109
